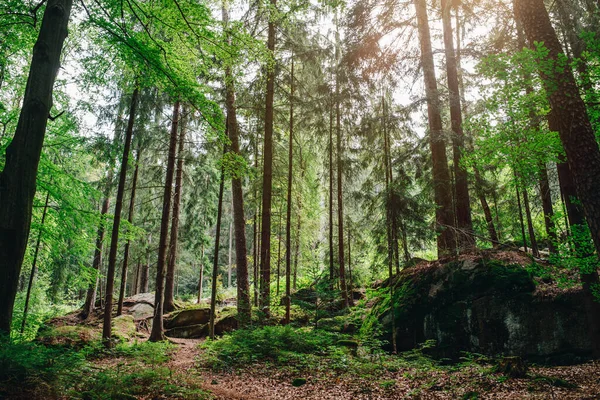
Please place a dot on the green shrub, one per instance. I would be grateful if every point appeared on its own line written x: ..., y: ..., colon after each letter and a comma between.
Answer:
x: 277, y: 344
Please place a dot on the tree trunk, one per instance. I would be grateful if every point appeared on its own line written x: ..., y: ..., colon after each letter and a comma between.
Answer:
x: 340, y: 197
x: 201, y: 281
x: 18, y: 178
x: 265, y: 249
x: 145, y: 275
x: 229, y: 263
x: 169, y: 302
x: 128, y: 244
x: 279, y: 226
x: 487, y: 212
x: 288, y: 217
x: 157, y: 322
x: 534, y: 246
x: 114, y: 239
x: 546, y: 197
x: 244, y: 306
x: 90, y: 298
x: 576, y: 134
x: 331, y: 255
x: 34, y: 263
x: 215, y: 270
x: 441, y: 176
x: 521, y: 220
x: 465, y: 238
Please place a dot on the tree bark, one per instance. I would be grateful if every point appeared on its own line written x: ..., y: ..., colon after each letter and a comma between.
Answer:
x: 288, y: 217
x: 34, y: 263
x: 18, y: 178
x: 201, y: 281
x: 465, y: 238
x: 128, y: 244
x: 331, y: 255
x: 265, y: 248
x: 215, y: 269
x: 114, y: 240
x: 340, y: 196
x: 546, y: 197
x: 145, y: 275
x: 576, y: 134
x: 244, y: 306
x: 169, y: 302
x: 157, y: 322
x: 534, y: 246
x: 441, y: 177
x: 487, y: 212
x: 90, y: 298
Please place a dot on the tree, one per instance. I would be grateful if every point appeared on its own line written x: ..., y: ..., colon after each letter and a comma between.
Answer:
x: 134, y: 181
x: 114, y: 240
x: 239, y: 220
x: 442, y: 185
x: 464, y: 238
x: 18, y: 178
x: 265, y: 249
x: 157, y: 322
x: 575, y: 130
x: 169, y: 303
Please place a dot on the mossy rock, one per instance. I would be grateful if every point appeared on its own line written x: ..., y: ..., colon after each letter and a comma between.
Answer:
x: 123, y: 327
x: 76, y: 336
x: 479, y: 305
x: 186, y: 317
x: 188, y: 332
x: 226, y: 323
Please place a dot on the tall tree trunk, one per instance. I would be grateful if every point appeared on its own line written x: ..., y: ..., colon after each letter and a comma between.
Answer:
x: 546, y: 197
x: 441, y: 177
x: 487, y: 212
x: 90, y: 298
x: 244, y: 306
x: 128, y: 244
x: 169, y: 302
x: 201, y: 281
x: 229, y: 262
x: 114, y: 239
x: 331, y: 255
x: 340, y: 196
x: 265, y: 249
x: 534, y: 246
x: 576, y: 134
x: 465, y: 238
x: 279, y: 226
x: 34, y: 263
x: 521, y: 219
x: 145, y: 275
x: 215, y: 269
x: 288, y: 217
x: 389, y: 216
x: 18, y: 178
x: 157, y: 322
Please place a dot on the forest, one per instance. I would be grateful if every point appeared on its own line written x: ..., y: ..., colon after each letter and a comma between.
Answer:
x: 299, y: 199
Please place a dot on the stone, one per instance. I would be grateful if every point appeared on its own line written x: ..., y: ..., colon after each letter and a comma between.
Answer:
x: 188, y: 332
x: 186, y: 317
x: 141, y: 311
x: 225, y: 324
x: 483, y: 306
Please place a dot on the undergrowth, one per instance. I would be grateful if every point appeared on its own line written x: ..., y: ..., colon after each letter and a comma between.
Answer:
x: 30, y: 370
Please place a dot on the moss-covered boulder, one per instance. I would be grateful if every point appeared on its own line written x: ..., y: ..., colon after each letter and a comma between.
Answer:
x: 123, y: 327
x: 480, y: 305
x: 186, y: 317
x: 188, y: 332
x: 76, y: 336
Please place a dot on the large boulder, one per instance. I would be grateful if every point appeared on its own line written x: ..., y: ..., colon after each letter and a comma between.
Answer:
x: 483, y: 305
x: 188, y: 332
x: 187, y: 317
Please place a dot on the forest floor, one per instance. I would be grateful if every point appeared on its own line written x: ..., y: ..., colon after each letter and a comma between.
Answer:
x: 264, y: 382
x: 272, y: 369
